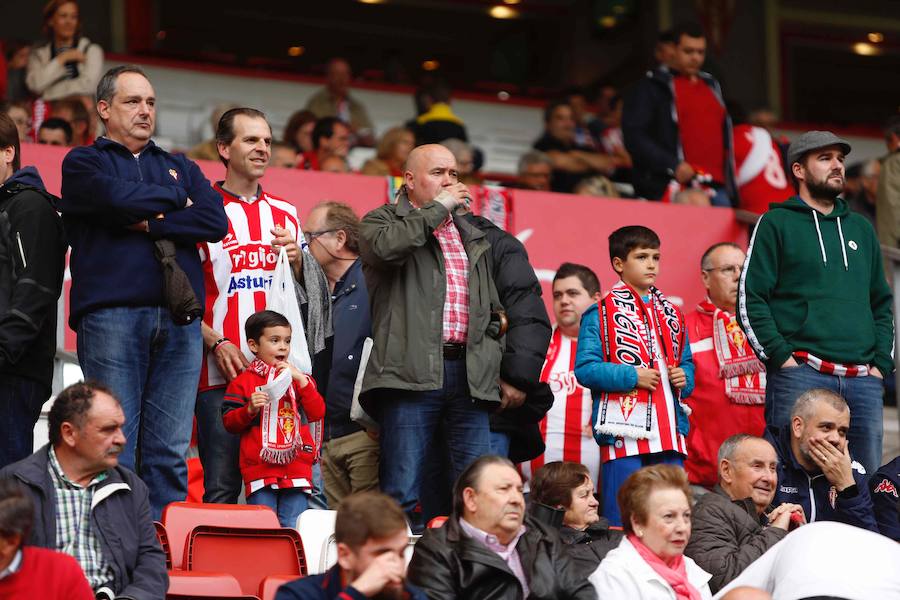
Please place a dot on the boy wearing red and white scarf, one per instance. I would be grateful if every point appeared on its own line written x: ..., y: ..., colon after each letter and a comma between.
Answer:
x: 730, y: 382
x: 634, y: 355
x: 277, y: 447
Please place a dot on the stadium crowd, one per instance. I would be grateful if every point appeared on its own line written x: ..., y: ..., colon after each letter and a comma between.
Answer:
x: 400, y: 367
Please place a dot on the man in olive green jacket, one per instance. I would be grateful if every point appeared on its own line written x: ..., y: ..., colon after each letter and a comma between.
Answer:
x: 436, y: 356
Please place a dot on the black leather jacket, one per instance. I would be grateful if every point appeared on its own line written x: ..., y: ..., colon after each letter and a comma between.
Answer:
x: 448, y: 564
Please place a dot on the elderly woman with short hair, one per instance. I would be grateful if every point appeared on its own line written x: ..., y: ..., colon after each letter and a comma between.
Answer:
x: 649, y: 564
x: 567, y: 488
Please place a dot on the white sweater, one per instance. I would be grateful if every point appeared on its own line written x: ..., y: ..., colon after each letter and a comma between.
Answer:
x: 625, y: 574
x: 48, y: 78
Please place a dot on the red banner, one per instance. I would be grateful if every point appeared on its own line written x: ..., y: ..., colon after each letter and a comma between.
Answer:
x: 555, y: 228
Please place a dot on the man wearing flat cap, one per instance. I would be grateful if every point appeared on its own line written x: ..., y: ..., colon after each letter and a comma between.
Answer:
x: 813, y: 299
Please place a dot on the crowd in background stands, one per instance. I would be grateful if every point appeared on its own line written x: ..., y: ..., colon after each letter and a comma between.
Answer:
x: 607, y: 143
x: 665, y: 453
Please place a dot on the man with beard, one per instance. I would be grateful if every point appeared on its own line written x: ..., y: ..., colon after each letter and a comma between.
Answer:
x: 813, y: 299
x: 814, y: 465
x: 736, y: 523
x: 371, y: 536
x: 86, y: 504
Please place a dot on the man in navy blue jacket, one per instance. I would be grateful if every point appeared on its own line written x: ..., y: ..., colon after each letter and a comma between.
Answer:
x: 814, y: 465
x: 371, y: 535
x: 119, y: 196
x: 349, y: 453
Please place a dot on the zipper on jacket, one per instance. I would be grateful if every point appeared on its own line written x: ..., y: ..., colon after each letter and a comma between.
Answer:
x: 812, y: 500
x: 21, y: 250
x: 137, y: 159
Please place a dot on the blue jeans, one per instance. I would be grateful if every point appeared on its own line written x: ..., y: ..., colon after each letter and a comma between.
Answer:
x: 317, y: 498
x: 721, y: 198
x: 287, y: 503
x: 409, y: 421
x: 864, y: 396
x: 615, y: 472
x: 219, y: 450
x: 152, y: 366
x: 21, y: 400
x: 500, y: 443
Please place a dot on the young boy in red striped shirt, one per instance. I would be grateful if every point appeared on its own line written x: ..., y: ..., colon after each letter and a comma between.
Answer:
x: 277, y: 448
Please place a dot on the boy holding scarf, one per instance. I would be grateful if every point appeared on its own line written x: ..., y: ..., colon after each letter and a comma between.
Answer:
x: 635, y: 357
x: 277, y: 448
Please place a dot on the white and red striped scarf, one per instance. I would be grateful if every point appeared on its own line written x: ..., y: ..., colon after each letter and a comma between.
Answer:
x: 831, y: 368
x: 743, y: 373
x: 279, y: 422
x: 628, y: 330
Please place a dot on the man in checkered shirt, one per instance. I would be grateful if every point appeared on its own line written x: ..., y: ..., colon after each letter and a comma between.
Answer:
x: 88, y: 506
x: 435, y: 360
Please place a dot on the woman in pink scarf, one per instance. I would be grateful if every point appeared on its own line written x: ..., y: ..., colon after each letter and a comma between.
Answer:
x: 649, y: 564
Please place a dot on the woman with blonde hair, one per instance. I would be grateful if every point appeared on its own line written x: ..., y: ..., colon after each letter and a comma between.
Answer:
x: 68, y: 64
x: 649, y: 563
x: 391, y: 152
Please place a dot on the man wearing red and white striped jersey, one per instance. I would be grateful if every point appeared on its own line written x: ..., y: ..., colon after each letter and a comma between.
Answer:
x: 566, y: 428
x: 237, y: 273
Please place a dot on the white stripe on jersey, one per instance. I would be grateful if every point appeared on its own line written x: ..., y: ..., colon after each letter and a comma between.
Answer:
x: 561, y: 379
x: 233, y: 265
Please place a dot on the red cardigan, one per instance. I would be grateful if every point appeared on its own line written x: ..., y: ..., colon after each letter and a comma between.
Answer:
x: 47, y: 575
x: 237, y: 419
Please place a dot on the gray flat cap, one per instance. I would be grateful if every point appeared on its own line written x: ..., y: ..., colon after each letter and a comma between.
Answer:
x: 813, y: 140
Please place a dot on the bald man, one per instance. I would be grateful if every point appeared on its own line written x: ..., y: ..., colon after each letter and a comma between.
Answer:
x: 435, y: 361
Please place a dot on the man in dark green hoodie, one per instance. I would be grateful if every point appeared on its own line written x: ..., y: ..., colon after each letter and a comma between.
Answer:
x: 813, y: 298
x: 32, y: 259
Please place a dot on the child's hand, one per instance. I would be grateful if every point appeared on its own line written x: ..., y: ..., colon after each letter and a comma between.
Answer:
x: 648, y: 379
x: 257, y: 401
x: 296, y: 374
x: 677, y: 378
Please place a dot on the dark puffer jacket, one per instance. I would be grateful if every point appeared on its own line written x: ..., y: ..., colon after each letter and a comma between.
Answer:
x: 448, y: 564
x: 727, y: 535
x: 587, y: 548
x: 527, y: 340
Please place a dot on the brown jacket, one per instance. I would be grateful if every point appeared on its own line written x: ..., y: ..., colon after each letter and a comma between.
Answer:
x: 727, y: 535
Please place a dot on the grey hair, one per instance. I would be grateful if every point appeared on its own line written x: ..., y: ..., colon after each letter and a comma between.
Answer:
x: 730, y: 446
x: 868, y: 169
x: 706, y: 261
x: 804, y: 406
x: 106, y: 89
x: 456, y: 147
x: 533, y: 157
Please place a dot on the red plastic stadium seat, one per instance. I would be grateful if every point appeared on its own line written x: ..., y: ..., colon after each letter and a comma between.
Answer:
x: 437, y: 522
x: 180, y: 518
x: 203, y: 585
x: 248, y: 554
x: 268, y: 587
x: 163, y: 539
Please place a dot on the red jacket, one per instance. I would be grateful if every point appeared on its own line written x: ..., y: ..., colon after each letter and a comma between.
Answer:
x: 714, y: 417
x: 48, y: 575
x: 237, y: 419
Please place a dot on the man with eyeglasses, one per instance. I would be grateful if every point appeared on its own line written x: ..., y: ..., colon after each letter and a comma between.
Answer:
x: 730, y: 383
x: 349, y: 452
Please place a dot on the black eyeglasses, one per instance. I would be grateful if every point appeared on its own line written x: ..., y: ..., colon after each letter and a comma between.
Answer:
x: 311, y: 235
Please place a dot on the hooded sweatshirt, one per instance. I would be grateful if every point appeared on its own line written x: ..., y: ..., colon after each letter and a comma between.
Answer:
x: 32, y: 261
x: 816, y: 283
